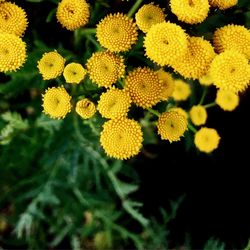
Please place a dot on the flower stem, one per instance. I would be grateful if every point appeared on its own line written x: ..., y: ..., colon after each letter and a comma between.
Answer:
x: 192, y: 128
x: 204, y: 93
x: 154, y: 112
x: 88, y: 31
x: 134, y: 8
x: 91, y: 39
x: 209, y: 105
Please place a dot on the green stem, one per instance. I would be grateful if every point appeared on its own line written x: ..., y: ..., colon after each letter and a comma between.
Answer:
x: 134, y: 8
x: 88, y: 31
x: 91, y: 39
x: 154, y: 112
x: 210, y: 105
x: 204, y: 93
x: 192, y: 128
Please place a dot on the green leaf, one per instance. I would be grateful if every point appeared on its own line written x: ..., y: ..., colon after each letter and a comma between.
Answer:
x: 131, y: 208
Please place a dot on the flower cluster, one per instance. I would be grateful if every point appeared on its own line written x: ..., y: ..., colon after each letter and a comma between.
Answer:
x: 174, y: 60
x: 13, y: 23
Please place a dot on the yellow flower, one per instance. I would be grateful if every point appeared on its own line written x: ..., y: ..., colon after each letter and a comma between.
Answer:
x: 198, y: 115
x: 182, y: 90
x: 85, y: 108
x: 13, y: 19
x: 179, y: 110
x: 167, y: 83
x: 223, y: 4
x: 73, y: 14
x: 117, y: 32
x: 234, y: 37
x: 227, y: 100
x: 114, y: 103
x: 165, y: 43
x: 121, y: 138
x: 74, y: 73
x: 148, y: 15
x: 56, y: 102
x: 12, y: 52
x: 206, y: 80
x: 206, y: 140
x: 105, y: 68
x: 144, y: 87
x: 230, y: 71
x: 51, y: 65
x: 171, y: 126
x: 190, y: 11
x: 196, y: 62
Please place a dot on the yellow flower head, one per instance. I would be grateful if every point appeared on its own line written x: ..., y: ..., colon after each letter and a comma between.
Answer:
x: 182, y: 90
x: 73, y: 14
x: 171, y: 126
x: 190, y: 11
x: 230, y: 71
x: 165, y: 43
x: 196, y: 62
x: 105, y: 68
x: 74, y: 73
x: 114, y: 103
x: 117, y: 32
x: 85, y: 108
x: 12, y: 52
x: 167, y: 83
x: 144, y: 87
x: 121, y: 138
x: 148, y: 15
x: 51, y: 65
x: 13, y: 19
x: 223, y: 4
x: 179, y: 110
x: 234, y: 37
x: 206, y: 80
x: 227, y: 100
x: 206, y: 140
x: 56, y: 102
x: 198, y: 115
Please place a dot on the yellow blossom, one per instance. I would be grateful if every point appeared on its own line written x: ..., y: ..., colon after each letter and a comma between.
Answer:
x: 223, y: 4
x: 227, y: 100
x: 12, y: 52
x: 105, y: 68
x: 85, y: 108
x: 171, y: 126
x: 13, y: 19
x: 51, y: 65
x: 148, y: 15
x: 167, y: 84
x: 165, y: 43
x: 73, y: 14
x: 114, y: 103
x: 117, y: 32
x: 56, y: 102
x: 234, y: 37
x: 182, y: 90
x: 230, y: 70
x: 190, y: 11
x: 121, y: 138
x: 144, y: 87
x: 74, y: 73
x: 206, y: 140
x: 198, y: 115
x: 197, y: 60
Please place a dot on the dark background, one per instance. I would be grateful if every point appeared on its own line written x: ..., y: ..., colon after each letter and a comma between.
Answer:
x: 216, y: 186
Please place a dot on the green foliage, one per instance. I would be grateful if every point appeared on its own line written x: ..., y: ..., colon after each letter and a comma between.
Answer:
x: 214, y: 244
